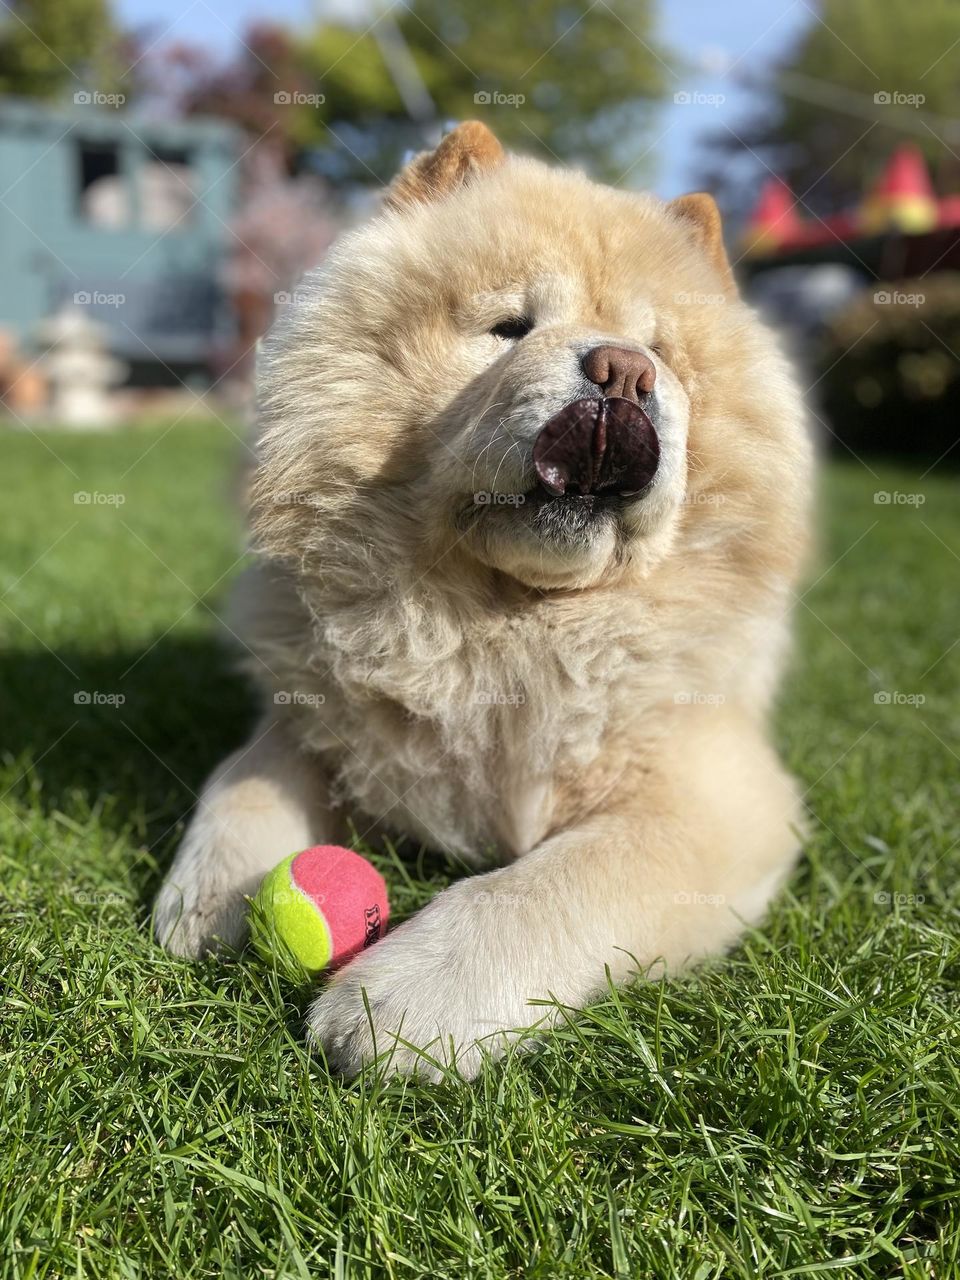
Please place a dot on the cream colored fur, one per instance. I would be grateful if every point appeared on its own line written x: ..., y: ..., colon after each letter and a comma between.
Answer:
x: 586, y: 715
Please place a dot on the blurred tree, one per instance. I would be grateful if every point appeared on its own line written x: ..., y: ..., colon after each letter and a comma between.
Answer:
x: 864, y: 77
x: 52, y: 47
x: 547, y: 76
x: 252, y: 89
x: 281, y: 228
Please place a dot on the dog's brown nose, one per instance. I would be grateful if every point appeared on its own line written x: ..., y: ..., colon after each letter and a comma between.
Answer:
x: 620, y: 372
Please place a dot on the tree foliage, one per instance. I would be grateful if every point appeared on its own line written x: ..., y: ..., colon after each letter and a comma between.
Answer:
x: 863, y: 77
x: 49, y: 48
x: 548, y: 77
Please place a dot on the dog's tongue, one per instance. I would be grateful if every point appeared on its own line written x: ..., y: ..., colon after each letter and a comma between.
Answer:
x: 597, y: 446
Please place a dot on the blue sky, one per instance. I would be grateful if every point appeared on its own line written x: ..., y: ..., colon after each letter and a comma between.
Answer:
x: 749, y: 34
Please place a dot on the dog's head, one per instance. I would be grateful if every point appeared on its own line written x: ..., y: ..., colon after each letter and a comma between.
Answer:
x: 517, y: 368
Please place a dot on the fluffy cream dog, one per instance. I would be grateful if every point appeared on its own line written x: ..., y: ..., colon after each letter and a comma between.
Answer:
x: 530, y: 505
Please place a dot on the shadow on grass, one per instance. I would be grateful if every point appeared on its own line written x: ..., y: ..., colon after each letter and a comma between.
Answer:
x: 129, y: 737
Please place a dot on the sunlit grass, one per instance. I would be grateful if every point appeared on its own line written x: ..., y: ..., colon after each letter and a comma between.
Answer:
x: 791, y: 1110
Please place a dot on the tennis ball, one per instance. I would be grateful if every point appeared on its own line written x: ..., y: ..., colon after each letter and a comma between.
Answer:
x: 323, y: 905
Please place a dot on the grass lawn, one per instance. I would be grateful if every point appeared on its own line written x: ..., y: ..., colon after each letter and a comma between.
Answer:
x: 793, y: 1110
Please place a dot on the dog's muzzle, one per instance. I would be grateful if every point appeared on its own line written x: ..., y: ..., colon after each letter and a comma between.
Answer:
x: 602, y: 446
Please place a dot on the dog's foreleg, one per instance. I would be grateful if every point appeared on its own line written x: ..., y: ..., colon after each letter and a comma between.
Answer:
x: 266, y: 800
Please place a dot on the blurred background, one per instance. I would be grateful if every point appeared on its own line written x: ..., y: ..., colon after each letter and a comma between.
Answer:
x: 167, y: 173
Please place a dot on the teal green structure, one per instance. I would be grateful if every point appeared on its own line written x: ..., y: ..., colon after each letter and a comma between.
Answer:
x: 157, y: 289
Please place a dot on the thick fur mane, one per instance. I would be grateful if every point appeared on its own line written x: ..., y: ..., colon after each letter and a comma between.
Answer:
x: 443, y: 689
x: 433, y: 685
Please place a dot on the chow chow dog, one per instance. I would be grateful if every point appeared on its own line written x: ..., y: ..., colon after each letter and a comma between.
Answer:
x: 530, y: 503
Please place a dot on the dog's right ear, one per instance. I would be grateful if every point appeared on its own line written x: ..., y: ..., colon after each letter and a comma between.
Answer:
x: 468, y: 149
x: 698, y: 211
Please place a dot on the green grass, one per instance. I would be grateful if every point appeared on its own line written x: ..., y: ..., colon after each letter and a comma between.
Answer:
x: 792, y: 1110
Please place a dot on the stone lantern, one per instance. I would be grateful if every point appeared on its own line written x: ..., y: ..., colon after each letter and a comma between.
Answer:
x: 79, y: 370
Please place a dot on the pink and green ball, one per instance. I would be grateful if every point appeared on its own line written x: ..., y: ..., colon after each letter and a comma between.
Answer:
x: 323, y: 905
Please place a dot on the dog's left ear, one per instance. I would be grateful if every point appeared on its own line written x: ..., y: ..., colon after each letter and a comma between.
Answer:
x: 468, y: 149
x: 700, y: 213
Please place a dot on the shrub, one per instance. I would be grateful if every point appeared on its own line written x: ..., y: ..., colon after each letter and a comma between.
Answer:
x: 889, y: 369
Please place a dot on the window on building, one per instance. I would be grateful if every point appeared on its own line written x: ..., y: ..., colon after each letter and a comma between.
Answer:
x: 102, y: 195
x: 167, y: 189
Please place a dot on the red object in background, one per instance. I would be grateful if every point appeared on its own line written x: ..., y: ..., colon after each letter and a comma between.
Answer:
x: 905, y: 175
x: 901, y: 202
x: 844, y: 226
x: 775, y: 222
x: 903, y: 198
x: 949, y: 212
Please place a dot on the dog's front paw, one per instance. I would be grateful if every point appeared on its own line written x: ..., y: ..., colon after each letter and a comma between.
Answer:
x: 447, y: 987
x: 194, y: 916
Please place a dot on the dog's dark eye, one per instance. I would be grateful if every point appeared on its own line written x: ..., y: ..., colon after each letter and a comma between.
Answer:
x: 514, y: 329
